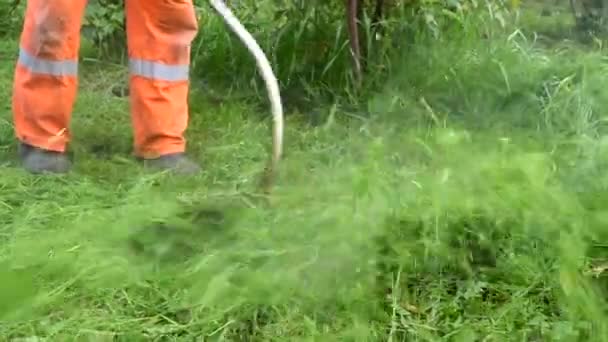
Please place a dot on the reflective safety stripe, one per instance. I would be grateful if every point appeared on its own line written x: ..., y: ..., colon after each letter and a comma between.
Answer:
x: 48, y: 67
x: 159, y: 71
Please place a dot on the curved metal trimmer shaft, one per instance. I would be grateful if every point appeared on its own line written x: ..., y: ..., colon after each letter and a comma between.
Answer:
x: 272, y: 87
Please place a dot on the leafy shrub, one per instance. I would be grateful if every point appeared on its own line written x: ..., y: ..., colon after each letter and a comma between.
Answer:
x: 104, y: 25
x: 306, y: 40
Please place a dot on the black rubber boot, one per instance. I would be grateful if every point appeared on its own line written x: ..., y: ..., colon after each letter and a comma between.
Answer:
x: 37, y: 160
x: 176, y: 163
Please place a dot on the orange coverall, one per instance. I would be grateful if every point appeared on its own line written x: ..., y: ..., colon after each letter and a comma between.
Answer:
x: 159, y: 35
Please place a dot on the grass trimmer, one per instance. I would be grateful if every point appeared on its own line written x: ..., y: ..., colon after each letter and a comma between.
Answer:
x: 272, y: 86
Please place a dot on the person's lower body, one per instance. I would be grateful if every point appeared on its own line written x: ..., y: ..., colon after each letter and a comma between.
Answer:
x: 159, y: 35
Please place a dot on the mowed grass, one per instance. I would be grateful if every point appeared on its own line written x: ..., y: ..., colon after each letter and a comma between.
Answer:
x: 469, y: 206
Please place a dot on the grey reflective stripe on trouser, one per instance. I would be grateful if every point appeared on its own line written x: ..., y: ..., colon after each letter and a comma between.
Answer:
x: 159, y: 71
x: 46, y: 66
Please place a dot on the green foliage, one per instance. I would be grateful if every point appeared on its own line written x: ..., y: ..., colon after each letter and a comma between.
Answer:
x: 11, y: 17
x: 305, y: 40
x: 590, y: 15
x: 471, y: 206
x: 104, y: 25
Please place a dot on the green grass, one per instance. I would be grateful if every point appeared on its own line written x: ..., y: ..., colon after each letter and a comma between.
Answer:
x: 469, y: 205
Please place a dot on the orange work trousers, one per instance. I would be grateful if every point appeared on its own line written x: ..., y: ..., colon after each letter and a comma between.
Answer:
x: 159, y: 36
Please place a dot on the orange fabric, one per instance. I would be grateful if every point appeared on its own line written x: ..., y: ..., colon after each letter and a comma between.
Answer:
x: 159, y: 34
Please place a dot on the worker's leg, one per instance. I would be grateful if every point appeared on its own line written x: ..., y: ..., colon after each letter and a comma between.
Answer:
x: 159, y: 35
x: 45, y: 81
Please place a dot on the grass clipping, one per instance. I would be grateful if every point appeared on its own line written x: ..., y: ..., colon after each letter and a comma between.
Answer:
x: 477, y: 226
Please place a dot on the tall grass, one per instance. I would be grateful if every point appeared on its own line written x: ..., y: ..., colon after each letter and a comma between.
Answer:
x: 462, y: 201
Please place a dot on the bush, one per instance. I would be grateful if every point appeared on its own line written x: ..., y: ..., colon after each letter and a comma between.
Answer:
x: 104, y: 26
x: 306, y: 40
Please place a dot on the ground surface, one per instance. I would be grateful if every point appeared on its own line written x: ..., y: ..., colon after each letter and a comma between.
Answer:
x: 471, y: 208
